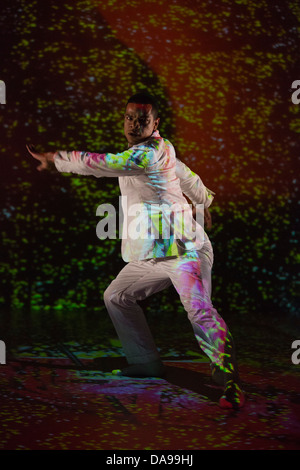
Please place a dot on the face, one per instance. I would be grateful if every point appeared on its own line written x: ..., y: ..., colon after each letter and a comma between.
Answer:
x: 139, y: 123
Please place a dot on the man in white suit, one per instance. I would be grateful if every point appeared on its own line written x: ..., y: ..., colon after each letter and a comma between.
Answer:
x: 169, y: 247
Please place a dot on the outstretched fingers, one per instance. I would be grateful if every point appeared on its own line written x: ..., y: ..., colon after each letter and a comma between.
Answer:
x: 46, y: 159
x: 31, y: 150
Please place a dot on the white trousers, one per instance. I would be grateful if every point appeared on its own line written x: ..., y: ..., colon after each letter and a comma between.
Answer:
x: 191, y: 276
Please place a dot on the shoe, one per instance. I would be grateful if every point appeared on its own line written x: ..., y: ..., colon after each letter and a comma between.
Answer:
x: 149, y: 369
x: 233, y: 397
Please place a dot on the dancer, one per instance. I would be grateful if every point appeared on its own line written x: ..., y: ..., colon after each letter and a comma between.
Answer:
x: 170, y: 248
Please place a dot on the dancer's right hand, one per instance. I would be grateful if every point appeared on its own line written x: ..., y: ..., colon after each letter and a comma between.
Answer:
x: 46, y: 159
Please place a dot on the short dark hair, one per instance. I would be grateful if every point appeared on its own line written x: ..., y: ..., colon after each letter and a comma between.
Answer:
x: 145, y: 98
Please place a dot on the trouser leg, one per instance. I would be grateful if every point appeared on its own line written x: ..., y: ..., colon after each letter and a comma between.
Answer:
x: 191, y: 277
x: 135, y: 282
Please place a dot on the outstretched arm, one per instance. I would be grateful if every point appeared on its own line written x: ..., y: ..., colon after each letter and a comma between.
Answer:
x: 130, y: 162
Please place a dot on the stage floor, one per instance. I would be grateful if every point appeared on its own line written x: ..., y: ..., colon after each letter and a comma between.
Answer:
x: 64, y: 397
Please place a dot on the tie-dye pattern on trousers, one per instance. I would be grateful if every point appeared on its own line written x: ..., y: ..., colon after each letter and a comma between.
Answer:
x: 190, y: 274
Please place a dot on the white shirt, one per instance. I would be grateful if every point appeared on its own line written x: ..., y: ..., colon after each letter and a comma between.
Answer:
x: 158, y: 221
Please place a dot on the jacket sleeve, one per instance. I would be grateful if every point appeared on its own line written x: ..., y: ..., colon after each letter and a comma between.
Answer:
x: 192, y: 185
x: 131, y: 162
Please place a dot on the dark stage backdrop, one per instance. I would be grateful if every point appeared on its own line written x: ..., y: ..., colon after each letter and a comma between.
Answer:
x: 223, y: 72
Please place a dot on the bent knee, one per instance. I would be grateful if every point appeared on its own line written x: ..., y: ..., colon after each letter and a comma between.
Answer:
x: 115, y: 297
x: 108, y: 295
